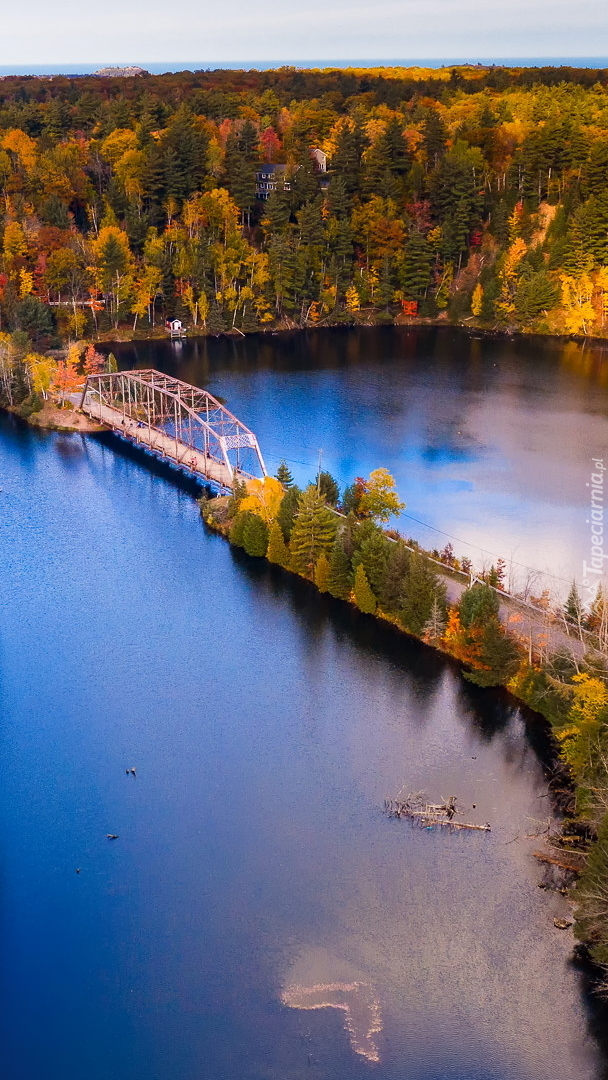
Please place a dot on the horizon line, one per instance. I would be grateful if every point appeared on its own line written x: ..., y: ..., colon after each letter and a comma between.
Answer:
x: 177, y: 66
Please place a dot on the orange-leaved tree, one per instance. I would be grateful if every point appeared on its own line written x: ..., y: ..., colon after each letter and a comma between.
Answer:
x: 66, y: 379
x: 94, y: 362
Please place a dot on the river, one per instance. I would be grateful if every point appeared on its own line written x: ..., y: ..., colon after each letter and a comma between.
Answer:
x: 257, y: 918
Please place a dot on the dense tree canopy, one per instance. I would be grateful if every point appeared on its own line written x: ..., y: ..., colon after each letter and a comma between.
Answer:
x: 469, y: 193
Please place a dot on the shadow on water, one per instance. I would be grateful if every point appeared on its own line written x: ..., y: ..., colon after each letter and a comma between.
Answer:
x: 596, y: 1007
x: 487, y: 711
x: 164, y: 470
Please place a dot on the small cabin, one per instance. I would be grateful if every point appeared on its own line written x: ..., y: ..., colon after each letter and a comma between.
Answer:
x: 319, y: 159
x: 175, y: 327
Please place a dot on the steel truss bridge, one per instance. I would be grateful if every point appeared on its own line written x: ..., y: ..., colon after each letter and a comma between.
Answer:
x: 176, y: 421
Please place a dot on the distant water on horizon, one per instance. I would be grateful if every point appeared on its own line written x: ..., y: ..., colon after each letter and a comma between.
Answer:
x: 164, y: 67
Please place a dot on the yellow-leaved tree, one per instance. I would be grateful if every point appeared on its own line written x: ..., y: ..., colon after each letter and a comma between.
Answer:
x: 263, y: 498
x: 578, y: 310
x: 43, y: 370
x: 508, y: 275
x: 477, y: 300
x: 586, y: 724
x: 379, y: 500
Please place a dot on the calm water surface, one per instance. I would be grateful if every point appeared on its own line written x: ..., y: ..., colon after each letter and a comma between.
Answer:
x: 254, y: 878
x: 490, y: 439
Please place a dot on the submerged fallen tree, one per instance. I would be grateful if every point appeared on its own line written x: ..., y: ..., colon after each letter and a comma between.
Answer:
x: 417, y: 809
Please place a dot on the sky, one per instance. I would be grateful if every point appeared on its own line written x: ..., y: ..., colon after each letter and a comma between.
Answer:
x: 120, y: 31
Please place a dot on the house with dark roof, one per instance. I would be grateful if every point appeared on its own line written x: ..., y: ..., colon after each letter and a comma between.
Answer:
x: 267, y: 179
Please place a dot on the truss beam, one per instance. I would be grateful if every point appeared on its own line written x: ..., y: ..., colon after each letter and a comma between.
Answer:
x: 175, y: 420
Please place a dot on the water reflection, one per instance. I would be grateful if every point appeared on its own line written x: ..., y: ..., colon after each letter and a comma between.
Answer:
x: 489, y: 439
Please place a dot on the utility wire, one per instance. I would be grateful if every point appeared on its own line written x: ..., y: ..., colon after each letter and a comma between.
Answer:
x: 450, y: 536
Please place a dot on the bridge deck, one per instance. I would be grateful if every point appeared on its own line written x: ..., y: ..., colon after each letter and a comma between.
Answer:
x: 160, y: 442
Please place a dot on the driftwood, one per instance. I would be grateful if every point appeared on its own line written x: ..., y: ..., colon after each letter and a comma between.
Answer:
x: 415, y: 807
x: 576, y: 868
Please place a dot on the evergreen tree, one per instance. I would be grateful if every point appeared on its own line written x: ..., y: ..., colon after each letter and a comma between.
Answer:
x: 340, y: 578
x: 595, y: 176
x: 288, y: 509
x: 434, y: 137
x: 338, y: 199
x: 322, y: 573
x: 284, y: 475
x: 499, y: 655
x: 313, y: 532
x: 415, y: 268
x: 390, y: 589
x: 536, y: 292
x: 592, y: 897
x: 434, y: 628
x: 573, y: 608
x: 346, y: 161
x: 255, y: 535
x: 478, y: 603
x: 373, y: 553
x: 216, y: 320
x: 238, y: 527
x: 328, y: 488
x: 277, y: 552
x: 364, y: 597
x: 422, y: 589
x: 238, y: 493
x: 185, y: 149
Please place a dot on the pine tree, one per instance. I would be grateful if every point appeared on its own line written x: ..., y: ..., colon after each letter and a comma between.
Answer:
x: 322, y: 573
x: 434, y: 628
x: 390, y: 590
x: 422, y: 588
x: 328, y: 488
x: 313, y: 532
x: 573, y: 608
x: 592, y: 899
x: 255, y: 535
x: 340, y: 579
x: 415, y: 271
x: 288, y: 510
x: 216, y: 320
x: 239, y: 492
x: 373, y: 554
x: 499, y: 655
x: 478, y: 604
x: 237, y: 529
x: 284, y: 475
x: 277, y: 552
x: 364, y: 597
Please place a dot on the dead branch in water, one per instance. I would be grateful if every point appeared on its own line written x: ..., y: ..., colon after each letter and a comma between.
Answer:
x: 576, y: 868
x: 427, y: 814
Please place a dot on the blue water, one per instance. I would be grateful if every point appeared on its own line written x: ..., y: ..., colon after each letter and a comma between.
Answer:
x: 266, y: 726
x: 490, y: 440
x: 249, y: 64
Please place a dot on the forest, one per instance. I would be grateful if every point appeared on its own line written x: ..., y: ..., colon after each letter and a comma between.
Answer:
x: 476, y: 194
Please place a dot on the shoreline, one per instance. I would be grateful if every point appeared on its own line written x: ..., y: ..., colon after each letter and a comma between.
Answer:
x: 473, y: 330
x: 50, y: 418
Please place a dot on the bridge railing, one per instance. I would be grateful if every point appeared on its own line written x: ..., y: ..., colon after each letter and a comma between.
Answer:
x: 191, y: 417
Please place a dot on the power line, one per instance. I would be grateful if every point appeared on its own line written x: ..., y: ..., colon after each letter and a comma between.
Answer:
x: 442, y: 532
